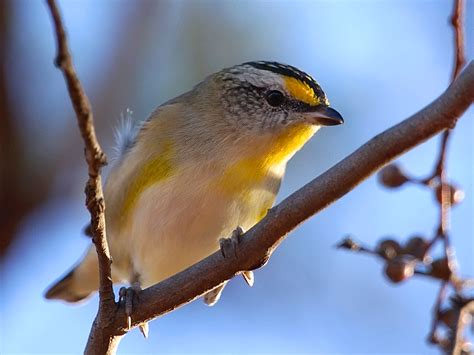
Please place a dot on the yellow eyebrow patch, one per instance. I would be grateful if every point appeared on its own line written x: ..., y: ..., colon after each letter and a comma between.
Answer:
x: 301, y: 91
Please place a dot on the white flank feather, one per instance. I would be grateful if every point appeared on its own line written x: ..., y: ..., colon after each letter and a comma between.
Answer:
x: 125, y: 134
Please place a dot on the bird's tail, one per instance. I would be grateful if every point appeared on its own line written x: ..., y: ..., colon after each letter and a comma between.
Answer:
x: 78, y: 283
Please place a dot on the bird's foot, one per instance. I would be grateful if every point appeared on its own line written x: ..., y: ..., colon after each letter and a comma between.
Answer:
x: 229, y: 245
x: 130, y: 296
x: 229, y: 250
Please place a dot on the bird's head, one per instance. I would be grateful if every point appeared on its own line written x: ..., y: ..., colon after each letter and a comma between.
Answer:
x: 265, y: 97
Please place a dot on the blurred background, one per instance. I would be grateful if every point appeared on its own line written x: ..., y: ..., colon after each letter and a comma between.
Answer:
x: 379, y: 62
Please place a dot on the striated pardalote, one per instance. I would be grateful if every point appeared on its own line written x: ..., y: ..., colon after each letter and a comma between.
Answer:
x: 202, y: 164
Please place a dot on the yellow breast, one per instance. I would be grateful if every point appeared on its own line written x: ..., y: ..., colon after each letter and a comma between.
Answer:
x: 266, y: 162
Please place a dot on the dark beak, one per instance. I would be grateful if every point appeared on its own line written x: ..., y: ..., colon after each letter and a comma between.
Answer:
x: 324, y: 116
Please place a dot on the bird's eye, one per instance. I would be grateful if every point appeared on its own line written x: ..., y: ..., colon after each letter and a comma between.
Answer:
x: 275, y: 98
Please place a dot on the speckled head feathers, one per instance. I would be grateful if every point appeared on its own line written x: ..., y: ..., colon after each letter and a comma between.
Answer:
x: 291, y: 72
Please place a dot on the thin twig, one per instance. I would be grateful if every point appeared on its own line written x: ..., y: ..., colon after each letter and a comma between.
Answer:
x: 95, y: 159
x: 457, y: 21
x: 437, y: 311
x: 440, y: 171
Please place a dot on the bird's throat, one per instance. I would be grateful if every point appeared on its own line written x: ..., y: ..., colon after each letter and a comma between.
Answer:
x: 266, y: 161
x: 287, y: 143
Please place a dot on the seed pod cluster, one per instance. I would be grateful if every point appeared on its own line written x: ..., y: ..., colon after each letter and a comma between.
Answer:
x: 392, y: 176
x: 401, y: 260
x: 404, y: 260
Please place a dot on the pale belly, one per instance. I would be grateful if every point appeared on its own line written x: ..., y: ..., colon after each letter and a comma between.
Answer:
x: 177, y: 223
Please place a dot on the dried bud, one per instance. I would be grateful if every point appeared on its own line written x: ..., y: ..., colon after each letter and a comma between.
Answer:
x: 416, y: 246
x: 400, y: 269
x: 389, y: 248
x: 392, y: 176
x: 441, y: 269
x: 448, y: 317
x: 456, y: 195
x: 348, y: 243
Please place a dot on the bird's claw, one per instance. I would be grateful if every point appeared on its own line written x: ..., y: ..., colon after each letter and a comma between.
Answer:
x: 130, y: 296
x: 144, y: 329
x: 212, y: 296
x: 248, y: 277
x: 229, y: 248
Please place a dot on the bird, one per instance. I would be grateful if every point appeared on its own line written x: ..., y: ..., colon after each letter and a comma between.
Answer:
x: 203, y: 166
